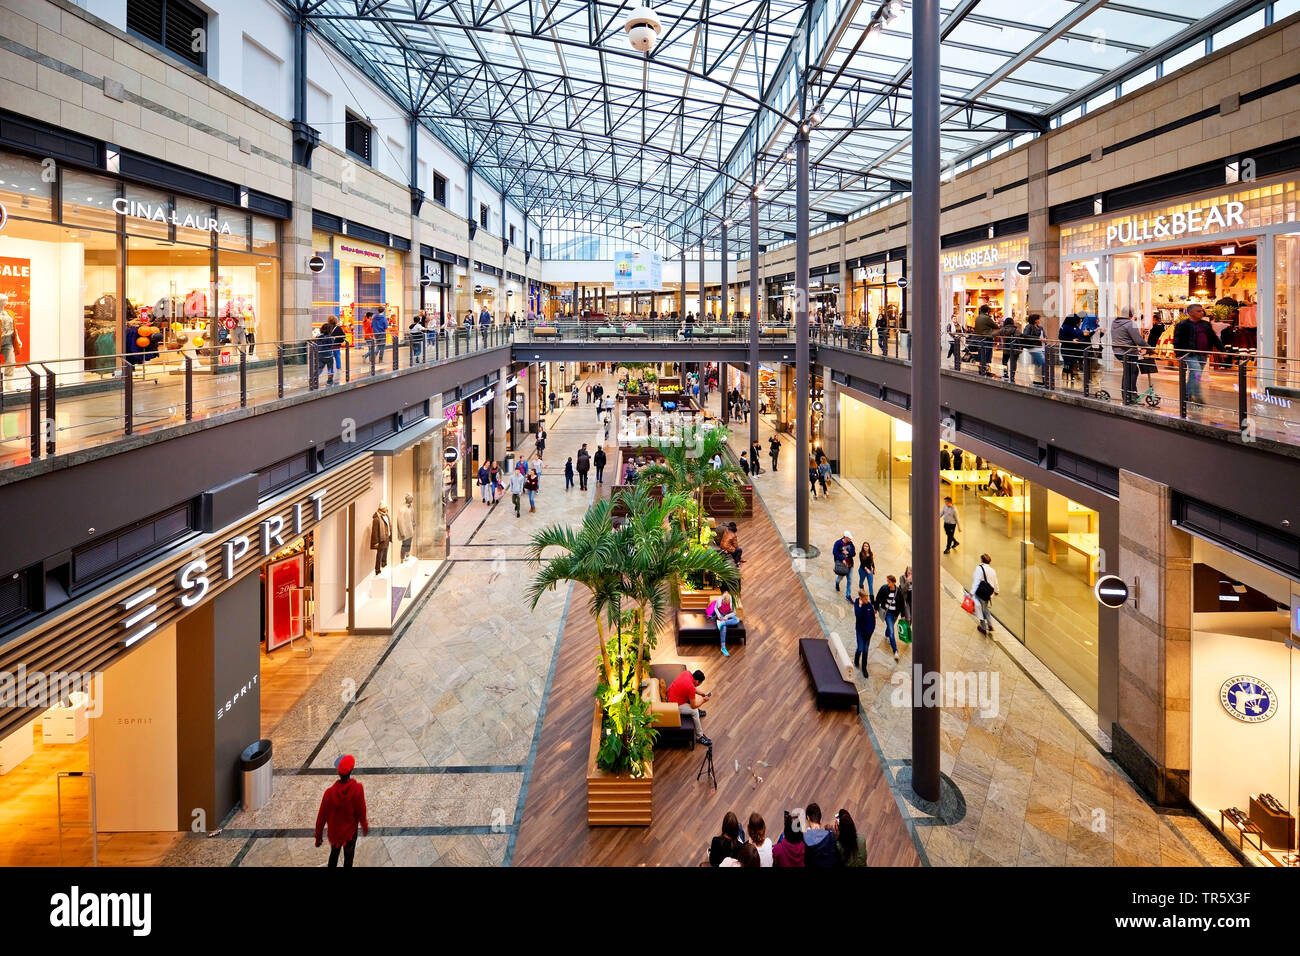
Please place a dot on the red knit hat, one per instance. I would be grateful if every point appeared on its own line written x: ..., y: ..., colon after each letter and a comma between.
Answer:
x: 345, y: 765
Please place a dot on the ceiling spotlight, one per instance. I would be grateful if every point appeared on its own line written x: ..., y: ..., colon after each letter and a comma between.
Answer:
x: 894, y: 9
x: 874, y: 29
x: 643, y: 28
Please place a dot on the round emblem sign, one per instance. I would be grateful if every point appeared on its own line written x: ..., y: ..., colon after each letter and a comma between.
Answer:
x: 4, y: 215
x: 450, y: 453
x: 316, y: 264
x: 513, y: 406
x: 1024, y: 267
x: 1248, y: 699
x: 426, y: 280
x: 901, y: 282
x: 1111, y: 591
x: 230, y: 323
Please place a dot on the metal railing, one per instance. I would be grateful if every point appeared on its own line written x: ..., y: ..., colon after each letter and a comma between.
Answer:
x: 626, y: 329
x: 1255, y: 395
x: 57, y: 406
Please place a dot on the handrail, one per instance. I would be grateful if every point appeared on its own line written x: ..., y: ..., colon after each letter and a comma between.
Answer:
x: 1235, y: 388
x: 54, y: 406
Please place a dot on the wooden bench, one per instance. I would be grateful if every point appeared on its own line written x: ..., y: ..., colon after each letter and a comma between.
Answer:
x: 829, y: 686
x: 716, y: 504
x: 694, y: 627
x: 545, y: 332
x: 773, y: 333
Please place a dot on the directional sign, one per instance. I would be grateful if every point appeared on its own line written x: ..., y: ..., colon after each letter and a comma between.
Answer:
x: 426, y: 280
x: 1024, y: 267
x: 450, y: 453
x: 1111, y: 591
x: 901, y: 282
x: 513, y: 406
x: 316, y: 264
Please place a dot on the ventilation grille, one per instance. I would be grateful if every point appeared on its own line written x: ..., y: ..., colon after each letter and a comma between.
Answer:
x: 129, y: 544
x: 1270, y: 547
x: 1085, y: 470
x: 283, y: 473
x: 1020, y: 445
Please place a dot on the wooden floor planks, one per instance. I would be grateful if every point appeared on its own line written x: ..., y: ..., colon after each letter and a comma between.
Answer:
x: 762, y: 710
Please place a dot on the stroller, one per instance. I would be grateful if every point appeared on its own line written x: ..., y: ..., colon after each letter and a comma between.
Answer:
x: 573, y: 398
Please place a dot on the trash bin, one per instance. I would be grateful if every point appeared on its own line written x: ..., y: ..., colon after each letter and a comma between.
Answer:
x: 255, y: 770
x: 507, y: 466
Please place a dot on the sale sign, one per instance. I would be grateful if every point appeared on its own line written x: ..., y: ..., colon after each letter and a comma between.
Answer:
x: 284, y: 604
x: 15, y: 313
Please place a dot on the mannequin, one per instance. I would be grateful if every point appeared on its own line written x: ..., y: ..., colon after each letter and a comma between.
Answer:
x: 406, y: 525
x: 381, y: 533
x: 10, y: 340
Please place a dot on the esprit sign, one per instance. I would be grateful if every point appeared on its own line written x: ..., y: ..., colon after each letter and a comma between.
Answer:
x: 1213, y: 218
x: 158, y: 212
x: 196, y: 577
x: 970, y: 259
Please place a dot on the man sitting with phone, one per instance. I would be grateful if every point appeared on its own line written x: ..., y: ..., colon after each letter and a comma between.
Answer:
x: 682, y: 693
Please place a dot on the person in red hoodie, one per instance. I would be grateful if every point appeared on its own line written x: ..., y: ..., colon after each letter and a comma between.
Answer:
x: 343, y: 809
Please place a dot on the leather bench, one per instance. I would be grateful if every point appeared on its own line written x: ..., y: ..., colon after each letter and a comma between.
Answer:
x: 829, y: 686
x: 694, y: 627
x: 668, y: 720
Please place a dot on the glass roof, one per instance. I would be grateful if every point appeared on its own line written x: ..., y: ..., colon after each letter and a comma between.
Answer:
x: 552, y: 105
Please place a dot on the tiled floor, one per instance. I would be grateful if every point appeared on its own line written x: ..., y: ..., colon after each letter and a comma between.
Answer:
x: 441, y: 721
x: 1037, y: 787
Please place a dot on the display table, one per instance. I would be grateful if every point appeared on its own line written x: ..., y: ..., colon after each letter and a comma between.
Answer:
x: 65, y: 725
x: 1012, y: 505
x: 1088, y: 545
x: 16, y: 748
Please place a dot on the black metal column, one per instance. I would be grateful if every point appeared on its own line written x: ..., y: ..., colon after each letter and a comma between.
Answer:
x: 699, y: 316
x: 753, y: 316
x: 925, y: 390
x: 802, y: 383
x: 681, y: 295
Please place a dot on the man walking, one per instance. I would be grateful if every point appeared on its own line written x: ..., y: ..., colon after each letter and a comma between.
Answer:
x: 985, y: 327
x: 599, y: 460
x: 773, y: 449
x: 843, y: 553
x: 1194, y: 339
x: 516, y: 488
x: 331, y: 333
x: 541, y: 441
x: 484, y: 481
x: 379, y: 326
x: 948, y: 515
x: 342, y: 811
x: 584, y: 465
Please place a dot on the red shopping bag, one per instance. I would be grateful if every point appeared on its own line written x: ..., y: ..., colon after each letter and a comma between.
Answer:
x: 967, y: 603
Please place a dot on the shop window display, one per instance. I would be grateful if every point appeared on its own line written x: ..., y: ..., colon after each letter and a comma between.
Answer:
x: 358, y: 277
x: 1245, y: 704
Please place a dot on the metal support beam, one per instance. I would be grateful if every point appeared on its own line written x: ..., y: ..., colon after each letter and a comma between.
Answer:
x: 925, y: 392
x: 753, y: 318
x: 699, y: 316
x: 802, y: 383
x: 681, y: 293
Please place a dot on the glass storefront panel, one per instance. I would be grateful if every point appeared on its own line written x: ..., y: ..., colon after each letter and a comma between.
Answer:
x: 168, y: 286
x: 358, y: 277
x: 60, y: 290
x: 27, y: 188
x: 248, y: 287
x: 1245, y: 704
x: 88, y: 200
x: 866, y: 461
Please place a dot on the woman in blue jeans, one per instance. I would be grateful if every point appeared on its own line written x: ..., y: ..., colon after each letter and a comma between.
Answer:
x: 724, y: 611
x: 867, y: 568
x: 865, y: 612
x: 888, y: 605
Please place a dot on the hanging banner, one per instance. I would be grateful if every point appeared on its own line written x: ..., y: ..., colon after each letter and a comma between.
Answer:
x: 638, y: 270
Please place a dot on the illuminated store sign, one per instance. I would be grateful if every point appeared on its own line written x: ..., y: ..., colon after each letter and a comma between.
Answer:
x: 159, y: 213
x: 1214, y: 218
x: 374, y: 254
x: 196, y: 577
x: 482, y: 400
x: 970, y: 259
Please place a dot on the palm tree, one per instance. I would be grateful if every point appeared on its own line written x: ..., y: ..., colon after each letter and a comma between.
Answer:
x: 658, y: 553
x: 686, y: 470
x: 590, y: 556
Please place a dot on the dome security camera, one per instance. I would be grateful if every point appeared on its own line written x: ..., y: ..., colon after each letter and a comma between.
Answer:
x: 643, y: 28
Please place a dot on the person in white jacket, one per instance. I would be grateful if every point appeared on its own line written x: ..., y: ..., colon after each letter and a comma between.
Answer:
x: 984, y: 573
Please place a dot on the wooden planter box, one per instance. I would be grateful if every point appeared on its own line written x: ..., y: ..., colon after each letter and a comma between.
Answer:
x: 615, y: 800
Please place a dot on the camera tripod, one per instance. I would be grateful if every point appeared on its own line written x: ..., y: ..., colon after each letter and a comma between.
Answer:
x: 706, y: 766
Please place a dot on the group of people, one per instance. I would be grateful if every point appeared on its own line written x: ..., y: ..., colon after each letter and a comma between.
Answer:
x: 522, y: 480
x: 892, y: 603
x: 738, y: 405
x: 819, y: 473
x: 585, y: 461
x: 805, y: 841
x: 749, y: 462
